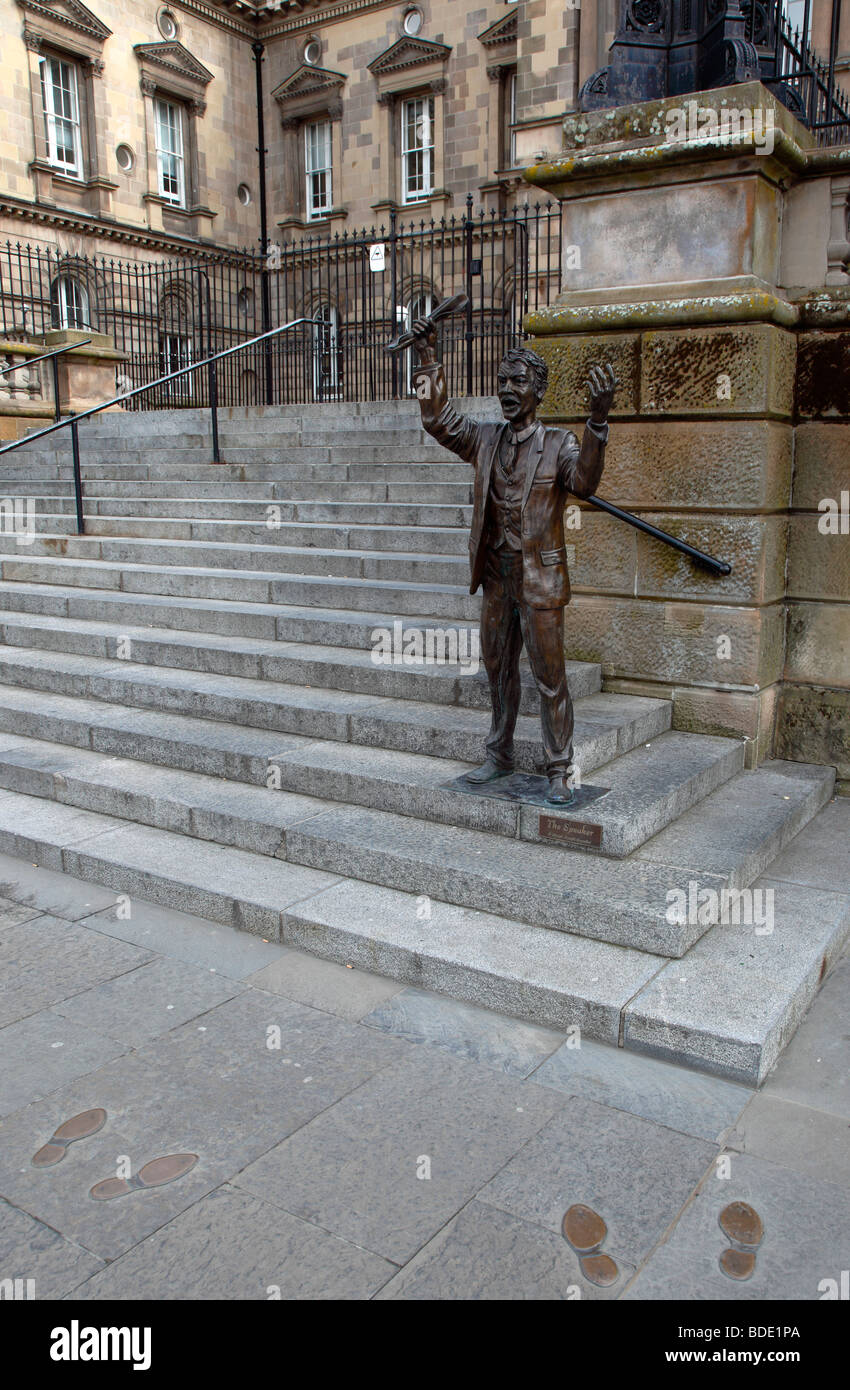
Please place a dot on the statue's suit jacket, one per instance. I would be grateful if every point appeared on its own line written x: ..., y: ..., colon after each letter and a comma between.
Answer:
x: 555, y: 467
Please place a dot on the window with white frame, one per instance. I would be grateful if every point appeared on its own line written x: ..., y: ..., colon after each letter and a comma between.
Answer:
x: 170, y: 162
x: 60, y: 92
x: 510, y: 108
x: 318, y: 163
x: 417, y: 148
x: 69, y: 303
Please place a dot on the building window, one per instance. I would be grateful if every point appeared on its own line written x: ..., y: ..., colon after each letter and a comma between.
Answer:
x: 175, y: 353
x: 318, y: 160
x: 312, y: 52
x: 510, y: 111
x: 417, y: 148
x: 419, y: 307
x: 171, y: 176
x: 61, y: 101
x: 69, y: 303
x: 412, y: 21
x: 326, y: 353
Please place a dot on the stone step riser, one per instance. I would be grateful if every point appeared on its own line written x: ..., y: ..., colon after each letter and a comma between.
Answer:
x: 435, y: 602
x: 254, y: 511
x: 430, y: 542
x: 357, y: 464
x: 440, y: 685
x: 314, y: 774
x: 293, y: 493
x: 247, y: 557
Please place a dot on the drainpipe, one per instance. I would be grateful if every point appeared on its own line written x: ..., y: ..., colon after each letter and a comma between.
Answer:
x: 258, y: 49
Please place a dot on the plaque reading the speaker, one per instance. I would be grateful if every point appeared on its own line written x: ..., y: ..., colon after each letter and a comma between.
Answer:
x: 576, y: 834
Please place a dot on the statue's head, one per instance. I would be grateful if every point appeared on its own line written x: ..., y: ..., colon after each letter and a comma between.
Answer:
x: 522, y: 381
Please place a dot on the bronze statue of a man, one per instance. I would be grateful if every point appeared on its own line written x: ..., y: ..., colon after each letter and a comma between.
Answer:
x: 523, y: 473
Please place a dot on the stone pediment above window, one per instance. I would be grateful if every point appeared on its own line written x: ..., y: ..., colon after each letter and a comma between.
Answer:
x: 408, y: 53
x: 501, y: 31
x: 172, y: 66
x: 62, y: 21
x: 307, y: 89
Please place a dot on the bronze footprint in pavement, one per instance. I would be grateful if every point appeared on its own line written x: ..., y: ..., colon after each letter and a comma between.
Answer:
x: 744, y: 1229
x: 156, y: 1173
x: 81, y: 1126
x: 584, y: 1229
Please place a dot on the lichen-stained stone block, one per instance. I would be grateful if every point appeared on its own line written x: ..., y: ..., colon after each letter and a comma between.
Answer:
x: 601, y: 552
x: 818, y: 563
x: 754, y: 547
x: 729, y: 712
x: 742, y: 369
x: 737, y: 465
x: 691, y: 643
x: 570, y: 357
x: 813, y: 726
x: 821, y: 462
x: 818, y: 643
x: 823, y: 375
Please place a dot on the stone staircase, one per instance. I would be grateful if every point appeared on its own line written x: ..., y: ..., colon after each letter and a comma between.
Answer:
x: 191, y: 712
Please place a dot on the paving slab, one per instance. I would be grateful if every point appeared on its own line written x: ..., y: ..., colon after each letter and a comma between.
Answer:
x: 806, y: 1238
x: 815, y: 1067
x: 487, y: 1254
x: 353, y: 1171
x: 636, y: 1174
x: 29, y: 1250
x: 229, y: 1245
x: 47, y: 959
x: 323, y: 984
x: 687, y: 1101
x: 47, y: 1050
x: 13, y: 913
x: 797, y: 1136
x: 149, y: 1001
x: 478, y: 1035
x: 183, y: 936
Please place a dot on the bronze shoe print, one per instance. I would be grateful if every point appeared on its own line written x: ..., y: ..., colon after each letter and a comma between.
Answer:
x: 81, y: 1126
x: 744, y: 1229
x: 156, y: 1173
x: 584, y: 1229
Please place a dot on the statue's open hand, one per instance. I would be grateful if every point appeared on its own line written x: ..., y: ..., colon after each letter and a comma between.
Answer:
x: 425, y: 339
x: 602, y: 383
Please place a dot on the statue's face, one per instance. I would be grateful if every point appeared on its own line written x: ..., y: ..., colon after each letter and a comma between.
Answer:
x: 517, y: 392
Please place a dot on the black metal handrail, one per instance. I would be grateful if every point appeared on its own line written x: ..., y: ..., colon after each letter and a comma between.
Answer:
x: 47, y: 357
x: 74, y: 420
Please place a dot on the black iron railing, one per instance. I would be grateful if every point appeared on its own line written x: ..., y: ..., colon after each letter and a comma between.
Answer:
x: 802, y: 80
x: 167, y: 314
x: 72, y: 422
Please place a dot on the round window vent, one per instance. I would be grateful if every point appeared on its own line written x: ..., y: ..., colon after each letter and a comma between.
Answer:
x: 126, y: 159
x: 167, y: 24
x: 312, y: 52
x: 412, y: 21
x: 243, y: 193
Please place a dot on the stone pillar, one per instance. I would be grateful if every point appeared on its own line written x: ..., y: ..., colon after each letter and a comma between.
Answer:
x: 86, y: 373
x: 674, y: 275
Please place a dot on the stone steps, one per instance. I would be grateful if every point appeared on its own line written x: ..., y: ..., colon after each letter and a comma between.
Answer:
x: 326, y: 591
x: 255, y: 764
x: 247, y: 670
x: 606, y: 725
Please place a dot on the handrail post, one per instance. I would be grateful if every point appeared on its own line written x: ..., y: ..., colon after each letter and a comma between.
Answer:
x: 213, y: 388
x: 78, y: 481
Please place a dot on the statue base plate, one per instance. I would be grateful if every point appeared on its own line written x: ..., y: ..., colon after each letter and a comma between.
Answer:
x: 526, y: 786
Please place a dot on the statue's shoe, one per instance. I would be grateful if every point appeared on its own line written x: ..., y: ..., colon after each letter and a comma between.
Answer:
x: 154, y: 1174
x: 78, y: 1127
x: 487, y: 772
x: 560, y: 792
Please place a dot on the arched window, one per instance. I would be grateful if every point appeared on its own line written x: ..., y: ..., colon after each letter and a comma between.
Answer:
x: 176, y: 334
x: 69, y: 303
x: 326, y: 353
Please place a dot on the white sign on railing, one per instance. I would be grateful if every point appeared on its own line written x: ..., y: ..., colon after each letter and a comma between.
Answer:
x: 378, y: 255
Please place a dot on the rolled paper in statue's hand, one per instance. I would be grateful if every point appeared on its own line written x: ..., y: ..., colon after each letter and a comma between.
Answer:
x: 456, y: 305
